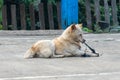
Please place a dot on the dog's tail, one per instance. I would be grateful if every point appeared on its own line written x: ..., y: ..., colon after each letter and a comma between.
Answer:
x: 29, y: 53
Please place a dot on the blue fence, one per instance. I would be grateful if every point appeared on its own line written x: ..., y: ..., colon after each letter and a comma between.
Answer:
x: 69, y: 12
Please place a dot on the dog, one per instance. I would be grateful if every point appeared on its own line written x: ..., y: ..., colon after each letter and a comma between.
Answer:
x: 68, y: 44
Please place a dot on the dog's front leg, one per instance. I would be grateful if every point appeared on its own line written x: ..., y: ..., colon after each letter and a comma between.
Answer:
x: 87, y: 52
x: 82, y: 53
x: 78, y: 53
x: 90, y: 54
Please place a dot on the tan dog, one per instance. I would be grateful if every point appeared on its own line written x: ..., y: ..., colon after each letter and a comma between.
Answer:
x: 67, y: 44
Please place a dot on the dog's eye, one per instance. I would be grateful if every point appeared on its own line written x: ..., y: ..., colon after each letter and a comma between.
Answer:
x: 80, y: 34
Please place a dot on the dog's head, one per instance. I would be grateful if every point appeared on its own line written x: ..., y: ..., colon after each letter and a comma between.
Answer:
x: 74, y: 32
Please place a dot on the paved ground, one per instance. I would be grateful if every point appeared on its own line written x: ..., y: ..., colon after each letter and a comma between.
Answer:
x: 14, y: 67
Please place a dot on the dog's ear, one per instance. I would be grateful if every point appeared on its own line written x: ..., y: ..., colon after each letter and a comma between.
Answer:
x: 80, y: 25
x: 73, y: 27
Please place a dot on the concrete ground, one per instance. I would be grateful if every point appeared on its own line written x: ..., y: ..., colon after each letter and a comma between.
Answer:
x: 13, y: 66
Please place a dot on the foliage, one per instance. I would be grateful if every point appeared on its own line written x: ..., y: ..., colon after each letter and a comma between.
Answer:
x: 97, y: 29
x: 1, y: 27
x: 82, y: 17
x: 118, y: 6
x: 82, y: 13
x: 1, y: 3
x: 87, y: 30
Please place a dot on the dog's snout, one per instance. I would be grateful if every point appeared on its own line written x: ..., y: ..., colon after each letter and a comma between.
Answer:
x: 83, y: 40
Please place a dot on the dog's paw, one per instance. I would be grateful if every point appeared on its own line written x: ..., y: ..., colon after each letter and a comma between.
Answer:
x: 85, y: 55
x: 97, y: 54
x: 91, y: 55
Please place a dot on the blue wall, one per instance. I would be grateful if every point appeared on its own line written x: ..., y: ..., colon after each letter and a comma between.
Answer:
x: 69, y: 12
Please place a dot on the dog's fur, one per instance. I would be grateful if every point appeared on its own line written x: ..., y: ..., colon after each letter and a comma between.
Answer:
x: 67, y: 44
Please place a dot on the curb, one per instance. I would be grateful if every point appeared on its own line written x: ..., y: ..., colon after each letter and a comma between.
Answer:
x: 30, y: 33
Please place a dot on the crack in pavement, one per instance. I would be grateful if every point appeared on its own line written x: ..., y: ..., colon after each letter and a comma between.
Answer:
x: 62, y: 76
